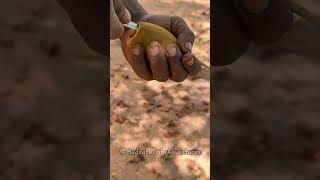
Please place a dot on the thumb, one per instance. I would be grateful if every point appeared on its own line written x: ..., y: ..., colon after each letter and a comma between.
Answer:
x: 118, y: 16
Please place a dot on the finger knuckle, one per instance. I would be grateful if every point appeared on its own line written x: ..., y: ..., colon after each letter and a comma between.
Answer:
x: 192, y: 35
x: 178, y: 19
x: 189, y: 36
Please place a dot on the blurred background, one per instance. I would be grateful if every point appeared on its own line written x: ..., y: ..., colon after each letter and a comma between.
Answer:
x: 51, y: 96
x: 267, y: 125
x: 162, y: 115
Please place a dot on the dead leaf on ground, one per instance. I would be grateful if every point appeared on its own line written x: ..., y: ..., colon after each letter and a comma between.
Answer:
x: 169, y: 133
x: 118, y: 119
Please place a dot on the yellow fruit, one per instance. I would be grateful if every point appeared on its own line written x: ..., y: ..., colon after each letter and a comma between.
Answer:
x: 147, y: 33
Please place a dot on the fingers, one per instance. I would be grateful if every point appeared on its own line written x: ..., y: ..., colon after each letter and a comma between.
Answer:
x: 139, y: 64
x: 260, y: 18
x: 158, y: 62
x: 122, y: 12
x: 177, y: 26
x: 185, y: 36
x: 161, y: 66
x: 191, y: 63
x: 177, y: 71
x: 116, y: 27
x: 118, y: 16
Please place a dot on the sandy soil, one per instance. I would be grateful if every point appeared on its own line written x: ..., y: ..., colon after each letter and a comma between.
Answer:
x: 162, y: 115
x: 267, y: 121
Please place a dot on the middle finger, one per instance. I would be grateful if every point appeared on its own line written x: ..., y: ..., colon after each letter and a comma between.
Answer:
x: 158, y: 62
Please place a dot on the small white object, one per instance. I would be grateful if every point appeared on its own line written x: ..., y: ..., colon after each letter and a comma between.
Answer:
x: 132, y: 25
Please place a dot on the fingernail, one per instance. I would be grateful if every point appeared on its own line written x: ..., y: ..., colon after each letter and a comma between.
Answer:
x: 189, y: 46
x: 154, y: 49
x: 171, y: 50
x: 136, y: 50
x: 190, y: 62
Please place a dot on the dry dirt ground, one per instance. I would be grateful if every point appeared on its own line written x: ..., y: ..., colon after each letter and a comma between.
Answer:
x: 267, y: 124
x: 51, y: 97
x: 162, y: 115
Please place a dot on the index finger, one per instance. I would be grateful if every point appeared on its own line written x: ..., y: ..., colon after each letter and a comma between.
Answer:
x: 185, y: 36
x: 116, y: 27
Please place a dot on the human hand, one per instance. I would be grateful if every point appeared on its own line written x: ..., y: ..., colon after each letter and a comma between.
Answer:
x: 174, y: 62
x: 239, y: 22
x: 119, y: 15
x: 265, y: 20
x: 90, y: 19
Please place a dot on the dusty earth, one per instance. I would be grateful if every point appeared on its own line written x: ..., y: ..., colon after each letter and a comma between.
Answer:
x: 162, y: 115
x: 51, y: 97
x: 266, y: 125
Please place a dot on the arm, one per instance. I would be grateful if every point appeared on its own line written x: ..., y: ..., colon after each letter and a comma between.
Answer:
x: 265, y: 20
x: 92, y: 22
x: 90, y: 19
x: 239, y: 22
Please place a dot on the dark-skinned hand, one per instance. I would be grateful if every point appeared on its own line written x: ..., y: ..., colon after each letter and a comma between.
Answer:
x: 119, y: 15
x: 239, y: 22
x: 90, y: 18
x: 175, y: 62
